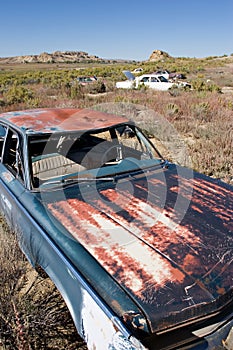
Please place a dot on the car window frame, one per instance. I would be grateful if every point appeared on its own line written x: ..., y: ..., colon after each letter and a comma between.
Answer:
x: 19, y: 171
x: 2, y: 140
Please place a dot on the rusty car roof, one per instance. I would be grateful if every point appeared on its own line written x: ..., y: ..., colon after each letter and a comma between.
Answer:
x: 51, y: 120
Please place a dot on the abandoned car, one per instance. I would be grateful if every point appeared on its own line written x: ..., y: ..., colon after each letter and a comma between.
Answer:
x: 140, y: 249
x: 151, y: 81
x: 170, y: 75
x: 86, y: 80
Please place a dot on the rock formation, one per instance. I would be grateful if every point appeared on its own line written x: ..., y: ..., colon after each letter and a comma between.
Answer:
x: 158, y: 55
x: 55, y: 57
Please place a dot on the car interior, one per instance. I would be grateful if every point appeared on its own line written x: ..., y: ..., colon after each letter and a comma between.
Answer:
x: 68, y: 153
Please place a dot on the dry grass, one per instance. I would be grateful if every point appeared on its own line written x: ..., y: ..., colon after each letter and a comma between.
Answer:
x: 33, y: 315
x: 201, y: 122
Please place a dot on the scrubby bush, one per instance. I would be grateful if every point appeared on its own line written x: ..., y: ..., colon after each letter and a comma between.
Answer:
x: 201, y: 85
x: 172, y: 109
x: 76, y: 91
x: 2, y: 102
x: 201, y: 111
x: 97, y: 87
x: 18, y: 94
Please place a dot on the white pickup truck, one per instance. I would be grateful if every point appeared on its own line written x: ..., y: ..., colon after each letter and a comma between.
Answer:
x: 152, y: 81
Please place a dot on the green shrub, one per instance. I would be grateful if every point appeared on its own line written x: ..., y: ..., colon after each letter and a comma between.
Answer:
x: 200, y: 85
x: 18, y: 94
x: 95, y: 88
x: 142, y: 87
x: 76, y: 91
x: 172, y: 109
x: 201, y: 111
x: 2, y: 102
x: 175, y: 91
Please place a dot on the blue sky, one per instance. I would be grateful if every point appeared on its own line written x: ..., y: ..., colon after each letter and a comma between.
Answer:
x: 117, y: 28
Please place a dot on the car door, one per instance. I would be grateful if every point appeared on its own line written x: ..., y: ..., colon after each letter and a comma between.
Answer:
x: 12, y: 177
x: 164, y: 84
x: 144, y: 80
x: 154, y: 83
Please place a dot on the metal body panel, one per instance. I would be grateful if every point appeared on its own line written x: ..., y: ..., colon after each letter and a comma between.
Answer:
x: 175, y: 271
x: 54, y: 120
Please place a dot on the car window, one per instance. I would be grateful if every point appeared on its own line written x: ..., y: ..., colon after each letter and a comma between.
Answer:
x: 11, y: 154
x: 163, y: 79
x: 145, y: 79
x: 154, y: 80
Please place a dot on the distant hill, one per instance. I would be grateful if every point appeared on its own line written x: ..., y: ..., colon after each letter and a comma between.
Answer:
x: 55, y: 57
x: 73, y: 57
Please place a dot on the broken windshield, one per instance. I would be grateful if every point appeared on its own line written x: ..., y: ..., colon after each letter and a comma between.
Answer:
x: 92, y: 154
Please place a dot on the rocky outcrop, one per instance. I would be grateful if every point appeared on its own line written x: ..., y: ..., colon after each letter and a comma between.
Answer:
x: 55, y: 57
x: 158, y: 55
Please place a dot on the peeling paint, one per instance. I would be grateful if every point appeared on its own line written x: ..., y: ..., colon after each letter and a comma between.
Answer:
x: 53, y: 120
x: 100, y: 332
x: 166, y: 265
x: 7, y: 176
x: 6, y: 203
x: 228, y: 343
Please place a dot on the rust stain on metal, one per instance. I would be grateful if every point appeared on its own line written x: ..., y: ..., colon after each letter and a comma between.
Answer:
x: 58, y: 120
x: 166, y: 264
x: 130, y: 260
x: 126, y: 240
